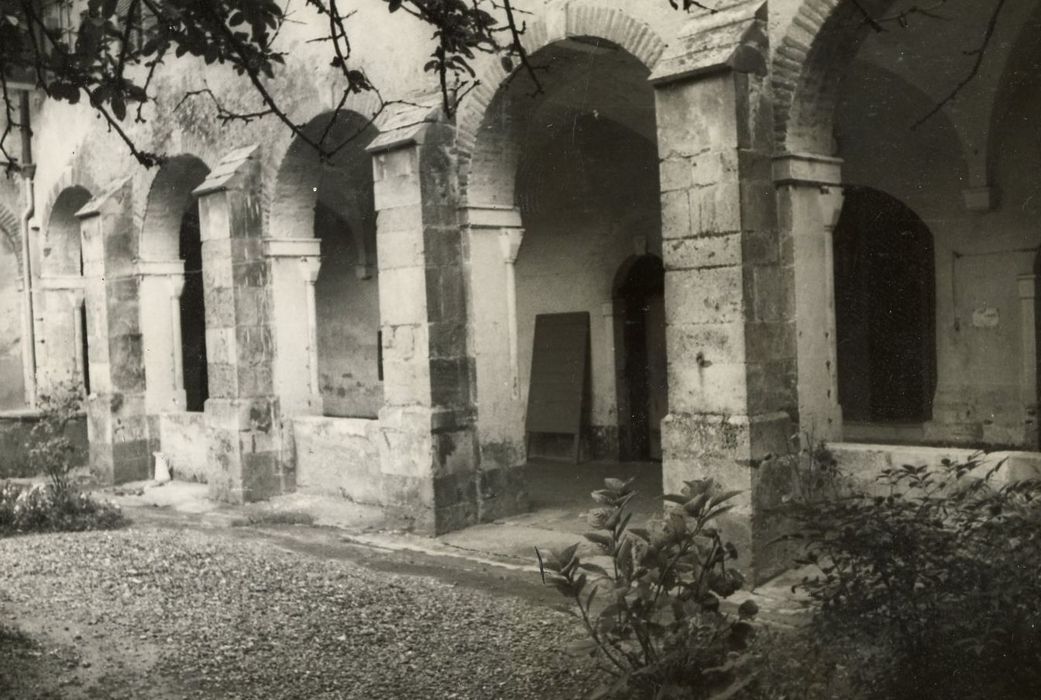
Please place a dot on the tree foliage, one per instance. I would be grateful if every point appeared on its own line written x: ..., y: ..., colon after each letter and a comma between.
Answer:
x: 107, y: 52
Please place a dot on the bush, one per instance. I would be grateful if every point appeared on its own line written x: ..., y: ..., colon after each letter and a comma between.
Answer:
x: 58, y: 505
x: 51, y: 452
x: 936, y: 576
x: 657, y: 630
x: 38, y: 509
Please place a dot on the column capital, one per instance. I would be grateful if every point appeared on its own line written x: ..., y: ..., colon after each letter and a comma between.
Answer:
x: 807, y: 169
x: 510, y: 243
x: 310, y: 266
x: 491, y: 216
x: 292, y: 247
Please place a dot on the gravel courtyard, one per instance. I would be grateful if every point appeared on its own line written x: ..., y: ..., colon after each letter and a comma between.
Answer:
x: 184, y: 613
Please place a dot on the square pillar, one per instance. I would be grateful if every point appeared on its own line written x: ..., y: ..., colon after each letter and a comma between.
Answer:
x: 246, y: 459
x: 809, y: 192
x: 729, y: 290
x: 493, y: 239
x: 117, y: 426
x: 432, y: 480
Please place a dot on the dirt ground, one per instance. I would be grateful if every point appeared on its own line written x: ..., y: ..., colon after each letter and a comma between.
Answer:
x: 168, y: 609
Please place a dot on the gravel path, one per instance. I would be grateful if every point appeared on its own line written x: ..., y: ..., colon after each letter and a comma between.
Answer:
x: 185, y: 614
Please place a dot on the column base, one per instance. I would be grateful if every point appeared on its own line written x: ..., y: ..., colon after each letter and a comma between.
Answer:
x: 118, y: 431
x: 245, y: 455
x: 728, y: 450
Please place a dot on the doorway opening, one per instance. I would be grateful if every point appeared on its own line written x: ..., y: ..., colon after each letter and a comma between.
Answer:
x: 643, y: 388
x: 885, y: 311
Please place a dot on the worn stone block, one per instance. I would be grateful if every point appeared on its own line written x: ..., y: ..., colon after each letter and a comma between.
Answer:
x: 704, y: 296
x: 675, y: 215
x: 449, y: 381
x: 249, y: 272
x: 702, y: 251
x: 455, y: 452
x: 127, y: 365
x: 183, y: 441
x: 220, y: 307
x: 716, y: 208
x: 130, y: 462
x: 222, y: 379
x: 711, y: 342
x: 338, y: 456
x: 255, y: 380
x: 400, y: 247
x: 261, y: 476
x: 719, y: 388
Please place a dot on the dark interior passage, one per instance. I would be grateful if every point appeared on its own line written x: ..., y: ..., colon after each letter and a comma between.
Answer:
x: 193, y: 314
x: 643, y: 381
x: 84, y: 350
x: 884, y: 309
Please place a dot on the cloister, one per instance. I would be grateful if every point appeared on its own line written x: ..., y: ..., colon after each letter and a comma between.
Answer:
x: 764, y: 235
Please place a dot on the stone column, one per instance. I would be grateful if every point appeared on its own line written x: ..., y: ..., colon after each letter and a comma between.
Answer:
x: 729, y: 297
x: 59, y: 357
x: 1027, y: 285
x: 294, y: 270
x: 494, y: 235
x: 432, y: 479
x: 246, y: 459
x: 117, y: 427
x: 810, y: 201
x: 162, y: 282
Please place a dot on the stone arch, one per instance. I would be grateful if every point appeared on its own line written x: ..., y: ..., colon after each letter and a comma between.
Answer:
x: 60, y: 246
x: 484, y: 153
x: 331, y: 199
x: 282, y: 141
x: 301, y: 170
x: 168, y: 198
x: 823, y: 38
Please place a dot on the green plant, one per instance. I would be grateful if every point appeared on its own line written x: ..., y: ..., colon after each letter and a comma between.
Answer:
x: 939, y: 568
x: 59, y: 504
x: 51, y: 452
x: 654, y: 622
x: 26, y: 509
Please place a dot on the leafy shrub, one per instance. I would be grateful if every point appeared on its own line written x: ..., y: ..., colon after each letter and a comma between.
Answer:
x: 939, y: 572
x: 654, y: 623
x: 58, y: 505
x: 37, y: 509
x: 51, y: 452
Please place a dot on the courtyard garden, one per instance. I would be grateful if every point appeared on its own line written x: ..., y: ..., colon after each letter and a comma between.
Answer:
x: 921, y: 582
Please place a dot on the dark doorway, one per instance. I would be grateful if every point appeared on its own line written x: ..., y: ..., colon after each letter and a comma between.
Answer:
x: 193, y: 314
x: 885, y: 303
x: 642, y: 369
x: 84, y: 349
